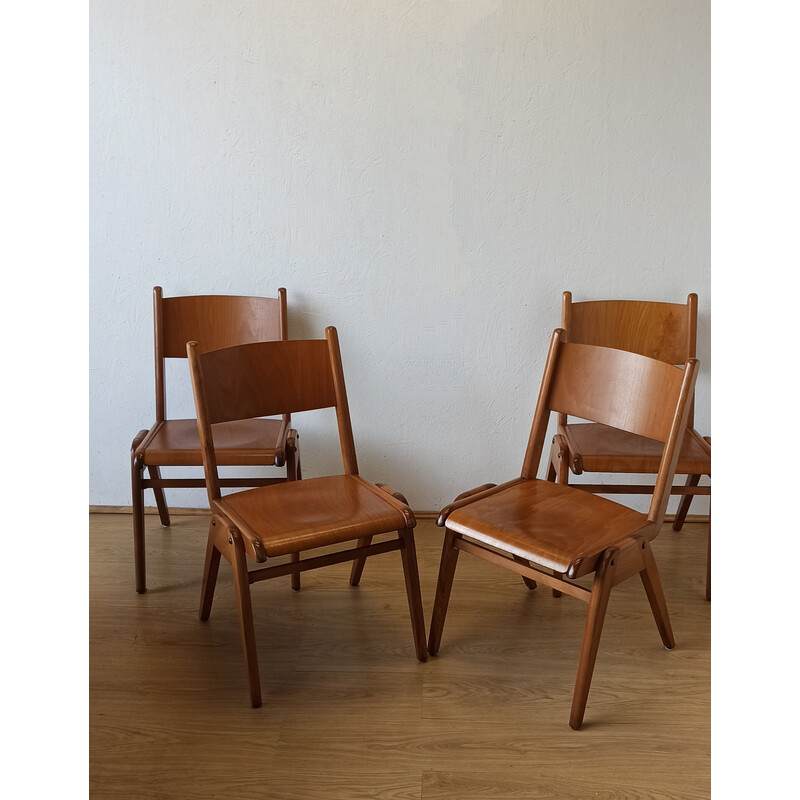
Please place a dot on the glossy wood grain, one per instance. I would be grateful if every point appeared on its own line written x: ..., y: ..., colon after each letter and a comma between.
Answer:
x: 349, y: 713
x: 212, y: 321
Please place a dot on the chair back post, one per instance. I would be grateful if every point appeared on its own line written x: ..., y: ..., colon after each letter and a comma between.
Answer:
x: 533, y: 451
x: 158, y: 345
x: 566, y: 320
x: 342, y: 409
x: 672, y: 447
x: 691, y: 344
x: 203, y: 425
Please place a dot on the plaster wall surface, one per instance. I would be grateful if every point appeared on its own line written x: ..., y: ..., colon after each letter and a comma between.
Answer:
x: 427, y: 177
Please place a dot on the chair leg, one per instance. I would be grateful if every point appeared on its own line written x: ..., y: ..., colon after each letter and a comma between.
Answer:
x: 293, y: 474
x: 708, y: 559
x: 158, y: 493
x: 598, y: 603
x: 245, y: 609
x: 529, y: 582
x: 686, y: 500
x: 447, y: 571
x: 655, y: 594
x: 358, y: 563
x: 413, y: 592
x: 210, y: 572
x: 137, y: 503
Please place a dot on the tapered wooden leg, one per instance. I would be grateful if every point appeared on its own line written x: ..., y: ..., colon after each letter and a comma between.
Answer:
x: 529, y: 582
x: 413, y: 592
x: 242, y: 588
x: 655, y: 594
x: 293, y: 474
x: 708, y: 558
x: 686, y: 501
x: 158, y: 493
x: 447, y: 571
x: 598, y: 603
x: 358, y: 563
x: 137, y: 506
x: 210, y: 572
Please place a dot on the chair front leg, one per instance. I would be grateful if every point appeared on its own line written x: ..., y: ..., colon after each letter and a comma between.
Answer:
x: 137, y: 507
x: 447, y: 571
x: 293, y: 474
x: 411, y: 572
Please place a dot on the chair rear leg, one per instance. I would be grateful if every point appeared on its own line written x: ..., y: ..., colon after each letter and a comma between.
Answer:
x: 447, y: 571
x: 411, y: 573
x: 245, y: 609
x: 655, y: 594
x: 686, y: 501
x: 293, y: 474
x: 708, y: 558
x: 158, y: 493
x: 210, y: 572
x: 598, y: 603
x: 358, y: 563
x: 529, y: 582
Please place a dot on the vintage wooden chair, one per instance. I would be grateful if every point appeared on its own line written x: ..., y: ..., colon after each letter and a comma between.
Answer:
x: 213, y: 321
x: 668, y: 332
x: 553, y: 533
x: 254, y: 380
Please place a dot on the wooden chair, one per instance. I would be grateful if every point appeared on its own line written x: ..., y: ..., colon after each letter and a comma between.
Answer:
x: 665, y: 331
x: 553, y: 533
x: 214, y: 321
x: 254, y: 380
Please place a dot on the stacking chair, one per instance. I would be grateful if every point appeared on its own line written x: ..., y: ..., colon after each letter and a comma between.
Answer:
x: 668, y: 332
x: 254, y: 380
x: 554, y: 533
x: 213, y: 321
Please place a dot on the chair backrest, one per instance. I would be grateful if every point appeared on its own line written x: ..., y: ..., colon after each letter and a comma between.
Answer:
x: 664, y: 331
x: 214, y: 322
x: 626, y: 390
x: 261, y: 379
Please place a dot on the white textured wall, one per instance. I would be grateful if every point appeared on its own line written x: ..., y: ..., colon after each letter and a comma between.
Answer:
x: 426, y: 176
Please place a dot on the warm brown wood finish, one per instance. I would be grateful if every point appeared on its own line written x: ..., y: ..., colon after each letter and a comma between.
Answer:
x: 549, y: 532
x: 663, y: 331
x: 214, y: 321
x: 350, y: 714
x: 293, y: 517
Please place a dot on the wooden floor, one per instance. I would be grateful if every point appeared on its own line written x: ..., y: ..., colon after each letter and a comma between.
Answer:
x: 348, y: 710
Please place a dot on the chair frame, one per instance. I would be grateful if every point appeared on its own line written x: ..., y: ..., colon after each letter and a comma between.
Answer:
x: 618, y: 324
x: 227, y: 540
x: 612, y: 563
x: 173, y: 319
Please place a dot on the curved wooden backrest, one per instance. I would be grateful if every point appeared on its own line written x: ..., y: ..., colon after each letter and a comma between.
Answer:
x: 665, y: 331
x: 213, y: 321
x: 615, y: 387
x: 216, y: 321
x: 262, y: 379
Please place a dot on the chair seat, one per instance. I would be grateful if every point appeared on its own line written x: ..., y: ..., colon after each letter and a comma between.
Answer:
x: 176, y: 442
x: 600, y: 448
x: 551, y: 524
x: 314, y: 512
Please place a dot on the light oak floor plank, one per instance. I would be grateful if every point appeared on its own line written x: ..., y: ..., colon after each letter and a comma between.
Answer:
x: 348, y: 711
